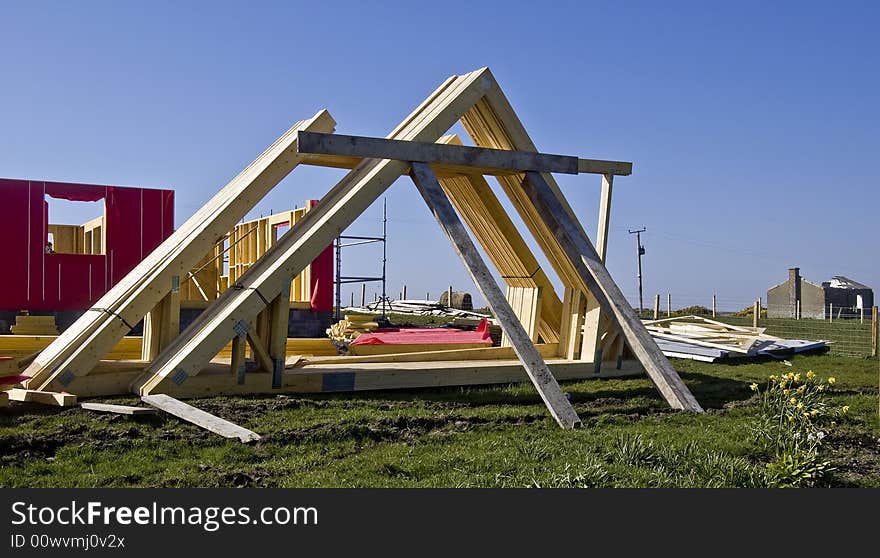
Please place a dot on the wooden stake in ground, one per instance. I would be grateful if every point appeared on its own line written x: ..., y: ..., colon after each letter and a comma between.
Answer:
x: 535, y: 367
x: 656, y: 307
x: 874, y: 332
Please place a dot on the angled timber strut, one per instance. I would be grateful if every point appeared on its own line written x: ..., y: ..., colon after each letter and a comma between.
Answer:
x: 587, y: 330
x: 536, y: 368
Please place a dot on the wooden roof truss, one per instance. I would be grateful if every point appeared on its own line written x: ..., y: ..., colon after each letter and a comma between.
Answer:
x: 590, y: 326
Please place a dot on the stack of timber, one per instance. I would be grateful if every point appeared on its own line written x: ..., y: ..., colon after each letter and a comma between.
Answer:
x: 349, y: 328
x: 703, y: 339
x: 415, y: 307
x: 34, y: 325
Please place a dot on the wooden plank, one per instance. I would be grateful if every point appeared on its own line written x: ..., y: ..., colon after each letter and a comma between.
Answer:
x: 606, y: 168
x: 574, y: 312
x: 481, y: 159
x: 278, y: 322
x: 592, y: 350
x: 604, y: 216
x: 84, y: 343
x: 558, y: 405
x: 42, y: 397
x: 260, y: 351
x: 200, y: 418
x: 591, y: 166
x: 112, y: 378
x: 526, y: 304
x: 238, y: 364
x: 593, y: 272
x: 117, y: 409
x: 546, y: 350
x: 162, y: 323
x: 353, y: 377
x: 293, y: 252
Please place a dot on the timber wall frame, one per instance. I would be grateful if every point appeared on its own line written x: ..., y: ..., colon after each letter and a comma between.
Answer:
x: 591, y: 323
x: 247, y: 242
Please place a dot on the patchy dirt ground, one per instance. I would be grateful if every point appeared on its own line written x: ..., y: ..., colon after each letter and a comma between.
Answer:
x: 489, y: 436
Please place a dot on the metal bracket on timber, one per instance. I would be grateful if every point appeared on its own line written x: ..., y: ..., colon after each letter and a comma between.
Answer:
x: 592, y: 271
x: 549, y: 390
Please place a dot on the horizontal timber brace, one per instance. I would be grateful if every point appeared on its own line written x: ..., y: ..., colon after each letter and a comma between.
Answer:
x: 476, y: 160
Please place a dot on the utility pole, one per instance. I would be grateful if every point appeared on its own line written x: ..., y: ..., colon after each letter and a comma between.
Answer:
x: 640, y: 251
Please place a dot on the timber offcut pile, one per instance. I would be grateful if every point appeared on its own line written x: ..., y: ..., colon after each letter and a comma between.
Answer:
x: 349, y: 328
x: 699, y: 338
x: 415, y: 307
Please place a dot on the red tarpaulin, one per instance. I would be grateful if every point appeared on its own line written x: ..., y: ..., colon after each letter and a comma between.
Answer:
x: 426, y: 336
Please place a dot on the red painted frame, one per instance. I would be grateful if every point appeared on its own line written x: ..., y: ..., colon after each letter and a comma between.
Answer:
x: 137, y: 220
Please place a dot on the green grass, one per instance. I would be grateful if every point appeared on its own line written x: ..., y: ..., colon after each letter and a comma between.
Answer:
x: 490, y: 436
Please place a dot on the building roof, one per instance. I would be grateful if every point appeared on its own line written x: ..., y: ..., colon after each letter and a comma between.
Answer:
x: 841, y: 282
x: 802, y: 278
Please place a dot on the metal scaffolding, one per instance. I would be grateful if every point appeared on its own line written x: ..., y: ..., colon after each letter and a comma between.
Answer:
x: 359, y: 241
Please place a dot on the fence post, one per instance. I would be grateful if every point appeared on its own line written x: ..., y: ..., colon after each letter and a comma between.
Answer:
x: 875, y: 334
x: 797, y: 312
x: 656, y: 307
x: 669, y: 305
x: 756, y: 310
x: 714, y: 306
x: 830, y: 311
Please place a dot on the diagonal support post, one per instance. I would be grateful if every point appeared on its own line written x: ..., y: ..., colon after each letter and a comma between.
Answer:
x: 592, y: 271
x: 429, y: 187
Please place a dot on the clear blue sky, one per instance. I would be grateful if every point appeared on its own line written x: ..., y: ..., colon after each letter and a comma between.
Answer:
x: 753, y: 126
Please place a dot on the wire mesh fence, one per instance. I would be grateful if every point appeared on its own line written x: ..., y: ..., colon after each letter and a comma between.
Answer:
x: 849, y: 331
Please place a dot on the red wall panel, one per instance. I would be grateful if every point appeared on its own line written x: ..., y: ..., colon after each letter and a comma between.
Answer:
x: 322, y: 278
x: 137, y: 220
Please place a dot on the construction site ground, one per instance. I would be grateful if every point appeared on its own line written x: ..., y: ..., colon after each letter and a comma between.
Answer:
x: 446, y: 437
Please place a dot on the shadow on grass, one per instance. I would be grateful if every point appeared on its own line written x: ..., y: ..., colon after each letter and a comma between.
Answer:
x: 711, y: 391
